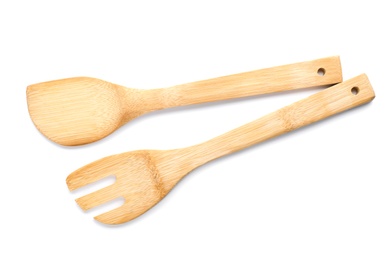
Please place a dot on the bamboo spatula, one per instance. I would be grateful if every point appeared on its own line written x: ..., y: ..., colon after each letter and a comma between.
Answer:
x: 143, y: 178
x: 82, y: 110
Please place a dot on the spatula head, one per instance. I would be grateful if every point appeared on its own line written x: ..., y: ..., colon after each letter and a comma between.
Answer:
x: 75, y: 111
x: 140, y: 180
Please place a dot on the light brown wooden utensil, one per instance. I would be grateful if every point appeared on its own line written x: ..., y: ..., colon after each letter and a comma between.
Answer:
x: 143, y: 178
x: 82, y: 110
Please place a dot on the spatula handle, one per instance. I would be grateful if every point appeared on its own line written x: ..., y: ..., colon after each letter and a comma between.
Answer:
x: 343, y: 96
x: 318, y: 72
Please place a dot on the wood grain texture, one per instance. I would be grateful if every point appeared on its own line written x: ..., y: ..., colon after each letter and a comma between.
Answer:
x: 143, y: 178
x: 82, y: 110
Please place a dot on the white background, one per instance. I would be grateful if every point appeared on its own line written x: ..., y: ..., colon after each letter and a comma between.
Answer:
x: 322, y: 192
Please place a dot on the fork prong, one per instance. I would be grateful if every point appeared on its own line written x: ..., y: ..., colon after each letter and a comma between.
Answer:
x: 91, y: 173
x: 117, y: 216
x: 98, y: 197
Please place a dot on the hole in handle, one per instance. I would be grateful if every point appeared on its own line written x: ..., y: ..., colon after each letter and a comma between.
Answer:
x: 355, y: 90
x: 321, y: 71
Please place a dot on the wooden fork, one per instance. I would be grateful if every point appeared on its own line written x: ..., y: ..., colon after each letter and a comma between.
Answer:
x: 144, y: 177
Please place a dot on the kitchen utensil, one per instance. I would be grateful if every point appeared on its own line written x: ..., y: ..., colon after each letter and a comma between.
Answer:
x: 82, y: 110
x: 144, y: 177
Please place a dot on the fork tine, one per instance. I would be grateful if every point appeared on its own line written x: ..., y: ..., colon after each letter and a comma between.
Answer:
x: 91, y: 173
x: 98, y: 197
x: 116, y: 216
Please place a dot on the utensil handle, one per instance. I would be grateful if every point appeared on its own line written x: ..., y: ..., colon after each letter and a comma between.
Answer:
x: 341, y: 97
x: 306, y: 74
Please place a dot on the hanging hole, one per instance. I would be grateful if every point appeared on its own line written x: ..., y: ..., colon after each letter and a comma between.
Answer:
x: 355, y: 90
x: 321, y: 71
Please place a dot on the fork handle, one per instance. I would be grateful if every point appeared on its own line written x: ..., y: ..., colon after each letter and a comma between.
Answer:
x: 341, y: 97
x: 325, y: 71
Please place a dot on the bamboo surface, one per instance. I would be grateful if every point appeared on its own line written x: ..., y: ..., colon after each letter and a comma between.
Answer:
x: 81, y: 110
x: 144, y: 177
